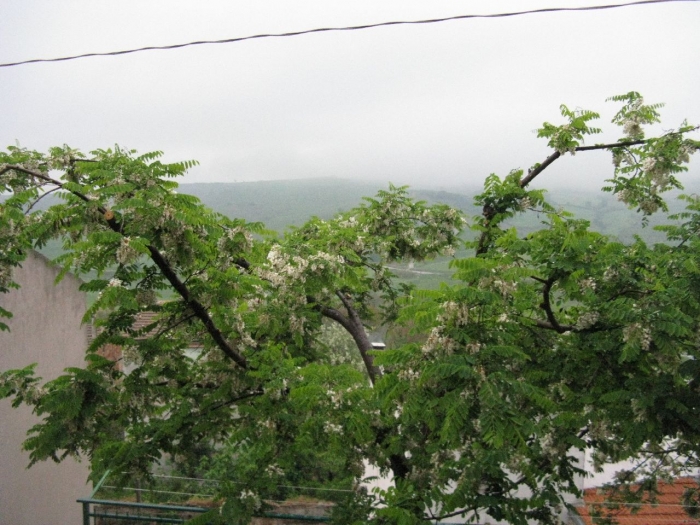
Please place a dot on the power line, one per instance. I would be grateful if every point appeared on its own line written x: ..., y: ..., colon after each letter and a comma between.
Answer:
x: 333, y: 29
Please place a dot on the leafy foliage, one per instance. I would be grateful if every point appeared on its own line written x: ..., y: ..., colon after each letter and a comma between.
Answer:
x: 558, y: 341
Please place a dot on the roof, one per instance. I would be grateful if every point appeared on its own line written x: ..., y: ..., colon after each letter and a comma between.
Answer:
x: 666, y: 509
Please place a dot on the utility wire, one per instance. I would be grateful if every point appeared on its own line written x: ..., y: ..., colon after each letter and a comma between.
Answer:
x: 348, y: 28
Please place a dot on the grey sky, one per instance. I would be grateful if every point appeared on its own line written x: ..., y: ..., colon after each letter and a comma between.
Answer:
x: 442, y: 104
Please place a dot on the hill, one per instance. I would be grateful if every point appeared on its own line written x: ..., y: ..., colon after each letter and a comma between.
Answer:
x: 283, y: 203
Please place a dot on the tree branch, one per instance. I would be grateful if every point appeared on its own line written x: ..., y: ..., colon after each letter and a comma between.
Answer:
x: 168, y: 272
x: 489, y: 212
x: 198, y: 308
x: 549, y: 326
x: 38, y: 199
x: 547, y: 306
x: 532, y: 173
x: 353, y: 325
x: 242, y: 397
x: 449, y: 514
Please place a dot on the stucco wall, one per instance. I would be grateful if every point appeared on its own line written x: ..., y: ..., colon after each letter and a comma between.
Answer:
x: 45, y: 329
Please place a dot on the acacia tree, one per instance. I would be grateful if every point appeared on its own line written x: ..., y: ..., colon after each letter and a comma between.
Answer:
x: 558, y: 341
x: 254, y: 306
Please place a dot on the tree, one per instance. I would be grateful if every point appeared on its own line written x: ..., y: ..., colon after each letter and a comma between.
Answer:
x: 558, y: 341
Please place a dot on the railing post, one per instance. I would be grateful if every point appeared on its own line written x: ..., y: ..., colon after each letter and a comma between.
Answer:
x: 86, y: 513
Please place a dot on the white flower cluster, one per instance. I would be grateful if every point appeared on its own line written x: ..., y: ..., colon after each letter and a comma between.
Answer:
x: 335, y: 398
x: 274, y: 470
x: 610, y: 274
x: 525, y: 204
x: 296, y: 324
x: 473, y: 348
x: 437, y: 340
x: 284, y: 268
x: 232, y: 235
x: 408, y: 374
x: 658, y: 173
x: 5, y: 274
x: 247, y: 340
x: 130, y: 354
x: 637, y: 333
x: 269, y: 424
x: 586, y: 320
x: 505, y: 288
x: 350, y: 222
x: 648, y: 206
x: 250, y: 495
x: 622, y: 156
x: 632, y: 128
x: 115, y: 283
x: 632, y: 124
x: 126, y: 253
x: 332, y: 428
x: 457, y: 313
x: 587, y: 284
x: 559, y: 142
x: 31, y: 394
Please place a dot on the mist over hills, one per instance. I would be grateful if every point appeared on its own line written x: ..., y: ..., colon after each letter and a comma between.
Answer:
x: 284, y: 203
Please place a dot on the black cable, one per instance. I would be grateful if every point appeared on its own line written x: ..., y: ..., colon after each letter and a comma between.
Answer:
x: 349, y: 28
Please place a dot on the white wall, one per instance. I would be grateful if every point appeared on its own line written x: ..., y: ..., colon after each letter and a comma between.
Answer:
x: 45, y: 329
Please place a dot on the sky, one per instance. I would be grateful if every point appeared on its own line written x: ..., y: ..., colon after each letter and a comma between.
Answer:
x: 439, y: 105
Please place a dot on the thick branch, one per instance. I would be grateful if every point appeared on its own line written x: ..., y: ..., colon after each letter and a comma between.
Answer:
x: 353, y: 325
x: 197, y: 308
x: 547, y: 306
x: 360, y: 336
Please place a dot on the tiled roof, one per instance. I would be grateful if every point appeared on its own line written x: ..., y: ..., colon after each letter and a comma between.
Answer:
x: 146, y: 318
x: 143, y: 319
x: 667, y: 509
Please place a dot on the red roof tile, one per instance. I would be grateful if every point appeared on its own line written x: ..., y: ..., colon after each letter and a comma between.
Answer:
x: 667, y: 509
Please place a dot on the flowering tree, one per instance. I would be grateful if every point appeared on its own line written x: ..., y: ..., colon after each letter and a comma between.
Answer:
x: 559, y: 341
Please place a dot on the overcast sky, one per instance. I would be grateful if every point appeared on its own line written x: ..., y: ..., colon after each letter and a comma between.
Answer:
x: 432, y: 105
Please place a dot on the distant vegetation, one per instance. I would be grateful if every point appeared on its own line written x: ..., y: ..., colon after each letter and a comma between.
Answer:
x: 282, y: 204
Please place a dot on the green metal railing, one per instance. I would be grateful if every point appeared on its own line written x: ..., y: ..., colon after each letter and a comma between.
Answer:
x: 132, y: 512
x: 97, y: 511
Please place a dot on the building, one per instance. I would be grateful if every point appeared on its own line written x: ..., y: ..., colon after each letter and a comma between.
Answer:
x: 46, y: 328
x: 666, y: 508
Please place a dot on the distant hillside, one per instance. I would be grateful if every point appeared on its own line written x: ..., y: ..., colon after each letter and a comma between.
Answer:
x: 283, y: 203
x: 280, y: 204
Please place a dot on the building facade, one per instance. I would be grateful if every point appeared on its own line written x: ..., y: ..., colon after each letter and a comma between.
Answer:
x: 46, y: 328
